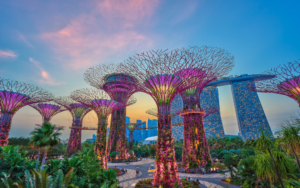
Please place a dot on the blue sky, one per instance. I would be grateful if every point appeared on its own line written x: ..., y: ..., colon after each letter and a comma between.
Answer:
x: 52, y: 43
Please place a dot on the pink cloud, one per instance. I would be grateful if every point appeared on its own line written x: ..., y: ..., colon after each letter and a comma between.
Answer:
x: 94, y: 38
x: 46, y: 78
x: 7, y: 54
x: 131, y: 10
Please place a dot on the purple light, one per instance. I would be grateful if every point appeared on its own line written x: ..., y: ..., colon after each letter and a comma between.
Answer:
x: 12, y: 101
x: 104, y: 106
x: 163, y: 86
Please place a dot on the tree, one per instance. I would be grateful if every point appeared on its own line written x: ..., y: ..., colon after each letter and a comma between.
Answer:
x: 265, y: 143
x: 41, y: 179
x: 290, y: 135
x: 45, y: 138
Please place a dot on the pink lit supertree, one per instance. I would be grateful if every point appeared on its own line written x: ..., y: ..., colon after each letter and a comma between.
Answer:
x: 13, y: 96
x: 120, y: 88
x: 286, y: 81
x: 78, y: 112
x: 155, y: 72
x: 48, y: 110
x: 100, y: 102
x: 132, y: 127
x: 195, y: 148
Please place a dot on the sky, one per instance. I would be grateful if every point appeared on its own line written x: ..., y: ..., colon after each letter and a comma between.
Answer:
x: 52, y: 43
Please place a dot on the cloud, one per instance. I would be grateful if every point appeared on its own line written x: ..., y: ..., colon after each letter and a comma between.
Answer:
x: 107, y: 33
x: 7, y: 54
x: 24, y: 39
x: 46, y: 78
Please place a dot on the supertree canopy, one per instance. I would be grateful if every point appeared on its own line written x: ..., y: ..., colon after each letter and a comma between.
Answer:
x: 78, y: 111
x: 48, y: 110
x: 100, y: 102
x: 132, y: 127
x: 119, y: 87
x: 13, y: 96
x: 286, y: 81
x: 157, y: 75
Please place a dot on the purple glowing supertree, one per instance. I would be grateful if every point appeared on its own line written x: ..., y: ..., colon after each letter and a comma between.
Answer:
x: 132, y: 127
x: 119, y: 87
x: 286, y: 81
x: 155, y: 72
x: 195, y: 148
x: 48, y: 110
x: 100, y: 102
x: 78, y: 111
x: 13, y: 96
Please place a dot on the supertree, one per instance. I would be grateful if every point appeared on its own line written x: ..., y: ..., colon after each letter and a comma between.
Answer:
x: 155, y: 72
x: 48, y: 110
x: 100, y: 102
x: 119, y: 87
x: 195, y: 148
x: 78, y: 111
x: 132, y: 127
x: 13, y: 96
x: 286, y: 81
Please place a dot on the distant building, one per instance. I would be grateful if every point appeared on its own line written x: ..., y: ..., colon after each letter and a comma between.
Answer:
x: 91, y: 139
x: 152, y: 123
x: 177, y: 105
x: 127, y: 131
x: 137, y: 134
x: 150, y: 140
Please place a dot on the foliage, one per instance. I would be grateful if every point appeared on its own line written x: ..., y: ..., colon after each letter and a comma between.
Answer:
x: 13, y: 162
x: 264, y: 167
x: 114, y: 154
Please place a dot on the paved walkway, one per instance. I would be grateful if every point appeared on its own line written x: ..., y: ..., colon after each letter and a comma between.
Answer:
x: 130, y: 179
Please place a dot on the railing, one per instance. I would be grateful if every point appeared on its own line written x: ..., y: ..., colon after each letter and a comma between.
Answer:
x: 84, y: 128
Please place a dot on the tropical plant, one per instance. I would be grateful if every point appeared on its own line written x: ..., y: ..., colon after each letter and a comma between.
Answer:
x: 40, y: 179
x: 290, y: 135
x: 45, y: 137
x: 265, y: 143
x: 13, y: 162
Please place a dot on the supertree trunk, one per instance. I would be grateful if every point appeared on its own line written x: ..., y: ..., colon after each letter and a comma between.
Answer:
x: 100, y: 146
x: 74, y: 143
x: 131, y: 140
x: 195, y: 148
x: 166, y: 166
x: 5, y: 123
x: 117, y: 134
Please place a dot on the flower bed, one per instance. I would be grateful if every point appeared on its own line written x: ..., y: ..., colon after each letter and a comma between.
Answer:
x: 185, y: 184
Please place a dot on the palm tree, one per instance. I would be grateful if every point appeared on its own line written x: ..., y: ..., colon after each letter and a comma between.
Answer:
x: 265, y: 143
x: 45, y: 137
x: 289, y: 135
x: 43, y: 180
x: 36, y: 142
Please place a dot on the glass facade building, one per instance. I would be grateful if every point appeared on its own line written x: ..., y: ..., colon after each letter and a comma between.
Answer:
x: 176, y: 105
x: 213, y: 123
x: 249, y: 111
x: 137, y: 134
x: 127, y: 131
x: 152, y: 123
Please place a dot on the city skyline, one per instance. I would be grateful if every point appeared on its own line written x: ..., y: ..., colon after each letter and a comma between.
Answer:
x: 51, y: 45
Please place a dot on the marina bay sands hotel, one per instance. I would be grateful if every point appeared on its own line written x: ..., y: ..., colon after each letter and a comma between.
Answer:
x: 249, y: 111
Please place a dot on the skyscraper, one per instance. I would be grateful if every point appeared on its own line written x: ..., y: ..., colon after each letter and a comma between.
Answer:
x: 152, y: 123
x: 127, y: 131
x: 137, y: 134
x: 213, y: 123
x: 144, y: 132
x: 177, y: 105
